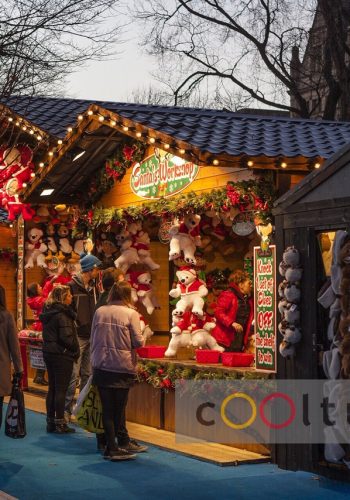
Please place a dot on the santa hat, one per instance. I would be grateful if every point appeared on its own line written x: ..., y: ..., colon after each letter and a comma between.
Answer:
x: 188, y: 269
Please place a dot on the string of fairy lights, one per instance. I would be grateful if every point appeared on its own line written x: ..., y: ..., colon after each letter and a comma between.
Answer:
x: 127, y: 127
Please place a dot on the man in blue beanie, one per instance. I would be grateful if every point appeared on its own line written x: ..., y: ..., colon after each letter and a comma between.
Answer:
x: 85, y: 294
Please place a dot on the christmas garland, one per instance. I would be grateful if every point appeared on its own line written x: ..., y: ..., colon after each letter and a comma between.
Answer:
x: 164, y: 376
x: 125, y: 157
x: 255, y: 196
x: 8, y: 254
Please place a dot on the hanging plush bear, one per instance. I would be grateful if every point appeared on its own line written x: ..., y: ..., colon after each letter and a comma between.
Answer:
x: 128, y: 254
x: 141, y: 241
x: 35, y: 248
x: 64, y: 245
x: 142, y: 282
x: 191, y: 290
x: 292, y: 293
x: 185, y: 238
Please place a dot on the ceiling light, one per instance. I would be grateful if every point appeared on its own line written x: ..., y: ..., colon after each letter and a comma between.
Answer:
x: 125, y: 129
x: 152, y: 140
x: 79, y: 155
x: 138, y: 134
x: 317, y: 165
x: 80, y: 117
x: 113, y: 123
x: 46, y: 192
x: 182, y: 151
x: 250, y: 163
x: 41, y: 164
x: 166, y: 146
x: 69, y: 129
x: 216, y: 162
x: 90, y: 112
x: 101, y: 118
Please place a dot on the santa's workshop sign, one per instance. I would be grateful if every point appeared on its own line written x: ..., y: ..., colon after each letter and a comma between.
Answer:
x: 265, y: 308
x: 161, y: 175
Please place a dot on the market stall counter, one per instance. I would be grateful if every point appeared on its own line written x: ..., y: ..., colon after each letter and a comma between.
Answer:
x: 30, y: 342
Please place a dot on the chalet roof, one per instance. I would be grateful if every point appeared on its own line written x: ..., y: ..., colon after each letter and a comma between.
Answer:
x: 325, y: 187
x: 215, y: 131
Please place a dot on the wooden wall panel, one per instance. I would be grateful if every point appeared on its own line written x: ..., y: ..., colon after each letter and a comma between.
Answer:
x: 8, y: 269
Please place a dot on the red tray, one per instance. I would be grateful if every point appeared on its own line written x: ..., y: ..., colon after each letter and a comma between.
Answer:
x: 237, y: 358
x: 151, y: 351
x: 207, y: 356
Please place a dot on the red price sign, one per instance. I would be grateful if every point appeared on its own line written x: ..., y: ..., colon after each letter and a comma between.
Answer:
x: 264, y: 308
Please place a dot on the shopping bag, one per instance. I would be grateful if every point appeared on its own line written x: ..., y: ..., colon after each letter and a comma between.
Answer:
x: 89, y: 415
x: 15, y: 420
x: 82, y: 396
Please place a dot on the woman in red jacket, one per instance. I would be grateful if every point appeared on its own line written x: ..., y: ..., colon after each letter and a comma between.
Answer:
x: 234, y: 313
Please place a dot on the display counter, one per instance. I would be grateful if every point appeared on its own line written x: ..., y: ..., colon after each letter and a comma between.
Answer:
x: 152, y: 400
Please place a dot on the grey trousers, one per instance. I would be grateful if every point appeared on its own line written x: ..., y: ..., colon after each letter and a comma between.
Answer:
x: 81, y: 371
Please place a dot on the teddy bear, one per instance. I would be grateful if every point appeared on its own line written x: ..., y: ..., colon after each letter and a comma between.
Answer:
x: 286, y: 349
x: 64, y: 245
x: 50, y: 241
x: 128, y: 254
x: 141, y: 281
x: 191, y: 290
x: 292, y: 292
x: 185, y: 238
x: 141, y: 241
x: 291, y: 256
x: 145, y: 328
x: 35, y: 248
x: 191, y: 330
x: 292, y: 334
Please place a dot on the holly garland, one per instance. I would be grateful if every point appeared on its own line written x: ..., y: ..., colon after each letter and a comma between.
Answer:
x: 255, y: 196
x: 125, y: 157
x: 8, y: 254
x: 164, y: 376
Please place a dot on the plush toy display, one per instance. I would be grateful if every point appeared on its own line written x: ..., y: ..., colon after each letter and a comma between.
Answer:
x: 50, y: 241
x: 64, y: 245
x: 142, y: 282
x: 141, y: 241
x: 288, y: 306
x: 35, y: 248
x: 185, y: 238
x: 192, y: 330
x: 128, y: 254
x: 191, y: 290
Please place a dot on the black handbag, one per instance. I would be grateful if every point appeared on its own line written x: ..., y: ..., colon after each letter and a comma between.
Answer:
x: 15, y: 421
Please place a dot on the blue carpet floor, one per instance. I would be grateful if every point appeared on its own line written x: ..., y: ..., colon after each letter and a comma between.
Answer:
x: 46, y: 466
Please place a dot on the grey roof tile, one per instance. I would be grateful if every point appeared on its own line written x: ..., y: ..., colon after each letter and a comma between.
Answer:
x: 210, y: 130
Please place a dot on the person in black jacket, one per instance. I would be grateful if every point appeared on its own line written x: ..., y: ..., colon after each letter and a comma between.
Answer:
x: 60, y: 350
x: 85, y: 295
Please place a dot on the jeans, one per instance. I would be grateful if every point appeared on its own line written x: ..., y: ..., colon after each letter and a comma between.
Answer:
x: 114, y: 403
x: 59, y: 370
x: 1, y: 405
x: 81, y: 370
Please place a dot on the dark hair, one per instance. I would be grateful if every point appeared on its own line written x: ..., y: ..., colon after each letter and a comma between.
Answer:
x: 110, y: 276
x: 2, y: 298
x: 120, y: 291
x: 32, y: 290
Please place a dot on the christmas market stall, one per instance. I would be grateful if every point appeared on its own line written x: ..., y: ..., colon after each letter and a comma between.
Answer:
x: 180, y: 200
x: 312, y: 230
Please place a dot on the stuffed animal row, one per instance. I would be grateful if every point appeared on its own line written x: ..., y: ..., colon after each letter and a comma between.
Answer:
x: 56, y: 242
x: 288, y: 306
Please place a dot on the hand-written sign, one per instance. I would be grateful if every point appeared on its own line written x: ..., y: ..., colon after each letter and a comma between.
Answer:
x: 162, y: 175
x: 264, y: 308
x: 89, y: 415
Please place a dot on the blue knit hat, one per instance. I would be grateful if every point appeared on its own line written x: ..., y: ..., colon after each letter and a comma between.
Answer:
x: 88, y: 262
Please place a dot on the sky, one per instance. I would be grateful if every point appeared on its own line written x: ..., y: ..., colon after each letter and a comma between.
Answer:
x: 114, y: 80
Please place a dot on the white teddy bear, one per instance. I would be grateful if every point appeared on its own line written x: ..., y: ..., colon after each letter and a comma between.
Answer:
x: 128, y: 254
x: 141, y: 241
x: 185, y: 238
x: 35, y: 248
x: 192, y: 330
x: 191, y: 290
x: 141, y: 282
x: 63, y: 240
